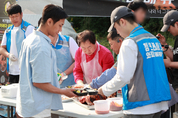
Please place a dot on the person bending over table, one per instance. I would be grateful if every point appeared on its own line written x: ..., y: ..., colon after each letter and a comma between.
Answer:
x: 39, y: 90
x: 65, y: 48
x: 139, y: 70
x: 91, y: 59
x: 139, y: 9
x: 115, y: 41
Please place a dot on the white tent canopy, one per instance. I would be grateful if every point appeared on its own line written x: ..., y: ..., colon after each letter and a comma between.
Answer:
x: 36, y: 6
x: 32, y: 12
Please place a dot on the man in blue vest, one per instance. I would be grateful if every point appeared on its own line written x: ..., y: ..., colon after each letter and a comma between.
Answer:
x: 65, y: 48
x: 140, y: 70
x: 139, y: 9
x: 12, y: 40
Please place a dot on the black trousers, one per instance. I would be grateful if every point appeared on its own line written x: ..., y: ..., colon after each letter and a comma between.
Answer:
x: 13, y: 79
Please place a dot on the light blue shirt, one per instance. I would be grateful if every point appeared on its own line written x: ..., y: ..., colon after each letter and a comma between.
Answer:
x: 37, y: 65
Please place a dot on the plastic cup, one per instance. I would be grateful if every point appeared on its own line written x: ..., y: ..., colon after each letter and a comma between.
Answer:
x: 101, y: 106
x: 116, y: 103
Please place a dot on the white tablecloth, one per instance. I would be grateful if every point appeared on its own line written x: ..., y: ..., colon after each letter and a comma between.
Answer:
x: 70, y: 109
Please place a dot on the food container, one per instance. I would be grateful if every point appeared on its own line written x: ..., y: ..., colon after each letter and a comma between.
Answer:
x: 116, y: 103
x: 80, y: 92
x: 101, y: 106
x: 9, y: 91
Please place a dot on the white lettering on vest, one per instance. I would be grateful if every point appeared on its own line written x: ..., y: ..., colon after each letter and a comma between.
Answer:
x: 153, y: 50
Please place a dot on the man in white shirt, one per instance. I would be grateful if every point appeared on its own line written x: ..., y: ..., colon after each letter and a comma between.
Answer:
x: 12, y: 40
x: 140, y: 71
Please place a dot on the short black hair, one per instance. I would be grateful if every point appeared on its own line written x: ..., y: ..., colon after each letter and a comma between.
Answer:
x: 135, y: 5
x: 14, y: 9
x: 86, y: 35
x: 54, y: 12
x: 130, y: 18
x: 113, y: 35
x: 39, y: 21
x: 173, y: 23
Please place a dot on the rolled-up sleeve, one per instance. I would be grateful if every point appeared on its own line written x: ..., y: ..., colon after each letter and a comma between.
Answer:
x: 125, y: 68
x: 41, y: 67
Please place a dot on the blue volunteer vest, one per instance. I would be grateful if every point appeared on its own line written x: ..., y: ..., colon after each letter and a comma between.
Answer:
x: 64, y: 59
x: 149, y: 84
x: 20, y: 36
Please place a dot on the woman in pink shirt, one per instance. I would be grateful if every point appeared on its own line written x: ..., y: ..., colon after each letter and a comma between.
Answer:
x: 91, y: 59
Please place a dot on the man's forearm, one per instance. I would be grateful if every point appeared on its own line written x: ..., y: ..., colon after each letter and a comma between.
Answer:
x: 174, y: 65
x: 169, y: 54
x: 113, y: 85
x: 3, y: 51
x: 70, y: 69
x: 48, y: 88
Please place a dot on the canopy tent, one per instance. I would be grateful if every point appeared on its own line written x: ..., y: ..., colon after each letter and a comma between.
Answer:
x: 32, y: 10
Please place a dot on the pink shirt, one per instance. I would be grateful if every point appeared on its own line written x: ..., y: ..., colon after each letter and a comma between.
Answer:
x: 106, y: 61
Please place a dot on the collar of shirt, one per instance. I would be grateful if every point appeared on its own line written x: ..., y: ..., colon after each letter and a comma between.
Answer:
x: 136, y: 28
x: 90, y: 57
x: 43, y: 35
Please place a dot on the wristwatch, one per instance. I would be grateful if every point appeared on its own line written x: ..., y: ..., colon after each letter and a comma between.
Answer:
x: 166, y: 47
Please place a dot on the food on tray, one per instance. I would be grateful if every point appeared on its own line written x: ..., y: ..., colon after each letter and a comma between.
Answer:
x: 80, y: 92
x: 90, y: 99
x: 84, y: 91
x: 114, y: 106
x: 93, y: 97
x: 82, y: 99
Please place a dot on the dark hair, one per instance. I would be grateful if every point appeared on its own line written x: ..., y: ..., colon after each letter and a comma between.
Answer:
x: 137, y: 5
x: 130, y: 18
x: 14, y: 9
x: 86, y: 35
x: 39, y: 21
x: 54, y: 12
x: 173, y: 23
x: 113, y: 35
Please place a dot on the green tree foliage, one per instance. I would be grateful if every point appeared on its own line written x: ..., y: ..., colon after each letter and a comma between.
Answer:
x: 100, y: 25
x: 154, y: 25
